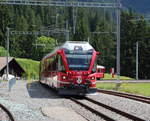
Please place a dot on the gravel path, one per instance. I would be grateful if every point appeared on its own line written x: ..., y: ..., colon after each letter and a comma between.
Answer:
x: 25, y: 102
x: 136, y: 108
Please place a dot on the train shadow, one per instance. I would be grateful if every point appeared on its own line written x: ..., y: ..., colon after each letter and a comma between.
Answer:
x: 37, y: 90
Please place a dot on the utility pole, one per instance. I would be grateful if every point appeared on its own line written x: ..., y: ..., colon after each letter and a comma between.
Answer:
x: 88, y: 39
x: 74, y: 19
x: 67, y: 31
x: 56, y: 20
x: 137, y: 59
x: 118, y: 83
x: 118, y: 40
x: 7, y: 57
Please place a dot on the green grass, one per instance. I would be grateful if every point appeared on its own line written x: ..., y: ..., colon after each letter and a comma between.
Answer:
x: 31, y: 67
x: 109, y: 77
x: 109, y: 86
x: 135, y: 88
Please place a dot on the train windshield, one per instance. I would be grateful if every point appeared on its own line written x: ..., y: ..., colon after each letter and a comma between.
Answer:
x: 79, y: 61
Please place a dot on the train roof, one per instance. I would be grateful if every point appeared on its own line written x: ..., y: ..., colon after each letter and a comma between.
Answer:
x: 71, y: 45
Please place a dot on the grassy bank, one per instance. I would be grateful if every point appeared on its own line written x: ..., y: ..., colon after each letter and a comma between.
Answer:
x: 135, y: 88
x: 31, y: 67
x: 109, y: 77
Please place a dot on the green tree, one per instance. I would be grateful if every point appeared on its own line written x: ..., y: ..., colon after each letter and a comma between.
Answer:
x: 82, y: 29
x: 43, y: 46
x: 105, y: 44
x: 133, y: 31
x: 2, y: 51
x: 128, y: 29
x: 18, y: 45
x: 142, y: 34
x: 4, y: 22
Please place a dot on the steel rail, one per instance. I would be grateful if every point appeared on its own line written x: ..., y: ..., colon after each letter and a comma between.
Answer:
x: 8, y: 112
x: 126, y: 95
x: 107, y: 118
x: 82, y: 116
x: 127, y: 115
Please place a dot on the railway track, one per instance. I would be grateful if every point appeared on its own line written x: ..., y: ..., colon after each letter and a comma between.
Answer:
x: 124, y: 115
x: 5, y: 114
x: 99, y: 106
x: 126, y: 95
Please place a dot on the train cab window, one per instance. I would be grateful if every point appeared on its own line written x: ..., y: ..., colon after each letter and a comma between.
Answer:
x: 60, y: 64
x: 79, y: 61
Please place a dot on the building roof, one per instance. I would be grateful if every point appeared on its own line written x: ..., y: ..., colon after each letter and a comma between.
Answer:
x: 3, y: 61
x: 14, y: 67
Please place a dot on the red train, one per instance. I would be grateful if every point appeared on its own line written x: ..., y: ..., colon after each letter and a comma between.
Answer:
x: 71, y: 69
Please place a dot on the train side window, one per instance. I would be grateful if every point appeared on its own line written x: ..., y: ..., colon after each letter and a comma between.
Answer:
x: 45, y: 65
x: 49, y: 64
x: 60, y: 64
x: 54, y: 65
x: 94, y: 67
x: 42, y: 66
x: 56, y: 62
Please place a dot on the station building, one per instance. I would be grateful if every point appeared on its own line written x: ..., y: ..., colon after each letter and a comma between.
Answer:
x: 14, y: 67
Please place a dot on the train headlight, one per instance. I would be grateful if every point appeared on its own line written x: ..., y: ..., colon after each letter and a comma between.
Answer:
x: 92, y: 77
x: 63, y: 77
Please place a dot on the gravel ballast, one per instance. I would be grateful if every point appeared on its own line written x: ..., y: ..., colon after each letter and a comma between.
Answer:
x: 104, y: 111
x: 136, y: 108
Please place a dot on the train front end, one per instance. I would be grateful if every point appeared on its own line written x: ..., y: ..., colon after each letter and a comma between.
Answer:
x: 80, y: 62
